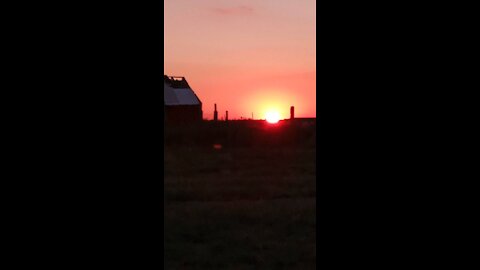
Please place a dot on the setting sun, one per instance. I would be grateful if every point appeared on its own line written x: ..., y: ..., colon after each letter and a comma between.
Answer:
x: 244, y: 56
x: 272, y: 117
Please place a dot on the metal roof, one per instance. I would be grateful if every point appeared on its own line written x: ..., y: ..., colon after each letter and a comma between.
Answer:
x: 179, y: 96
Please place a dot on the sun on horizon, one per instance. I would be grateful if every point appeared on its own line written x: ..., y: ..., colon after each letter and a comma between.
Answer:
x: 272, y: 117
x: 244, y: 56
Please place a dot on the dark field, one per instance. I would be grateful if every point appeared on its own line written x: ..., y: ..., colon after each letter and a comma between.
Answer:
x: 241, y: 207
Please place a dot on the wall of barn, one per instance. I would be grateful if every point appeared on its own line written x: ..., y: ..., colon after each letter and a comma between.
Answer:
x: 183, y: 114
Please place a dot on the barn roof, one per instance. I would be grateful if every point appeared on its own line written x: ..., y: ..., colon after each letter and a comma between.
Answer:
x: 178, y: 92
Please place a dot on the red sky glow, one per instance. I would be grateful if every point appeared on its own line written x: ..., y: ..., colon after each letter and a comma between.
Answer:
x: 247, y: 56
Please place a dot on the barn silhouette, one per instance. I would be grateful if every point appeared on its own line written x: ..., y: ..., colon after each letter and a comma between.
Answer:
x: 181, y: 104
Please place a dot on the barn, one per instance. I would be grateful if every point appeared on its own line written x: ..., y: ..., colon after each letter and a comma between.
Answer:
x: 181, y: 104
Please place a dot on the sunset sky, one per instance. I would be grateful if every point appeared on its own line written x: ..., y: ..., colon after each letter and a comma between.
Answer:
x: 245, y: 55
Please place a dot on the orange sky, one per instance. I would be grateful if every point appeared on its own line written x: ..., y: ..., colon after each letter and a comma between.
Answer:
x: 245, y: 55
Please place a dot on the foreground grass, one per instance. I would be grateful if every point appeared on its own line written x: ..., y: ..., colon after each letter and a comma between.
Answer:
x: 251, y: 208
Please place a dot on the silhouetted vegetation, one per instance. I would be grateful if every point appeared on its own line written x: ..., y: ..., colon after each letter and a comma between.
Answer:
x: 248, y: 205
x: 246, y: 133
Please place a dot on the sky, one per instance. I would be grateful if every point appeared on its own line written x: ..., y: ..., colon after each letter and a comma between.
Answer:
x: 247, y: 56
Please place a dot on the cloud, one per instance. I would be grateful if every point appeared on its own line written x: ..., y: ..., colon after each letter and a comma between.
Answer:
x: 239, y: 10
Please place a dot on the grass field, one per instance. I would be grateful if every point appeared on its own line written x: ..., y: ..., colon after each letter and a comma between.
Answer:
x: 240, y: 208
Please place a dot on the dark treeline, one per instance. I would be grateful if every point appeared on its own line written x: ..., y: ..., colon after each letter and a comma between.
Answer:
x: 242, y: 133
